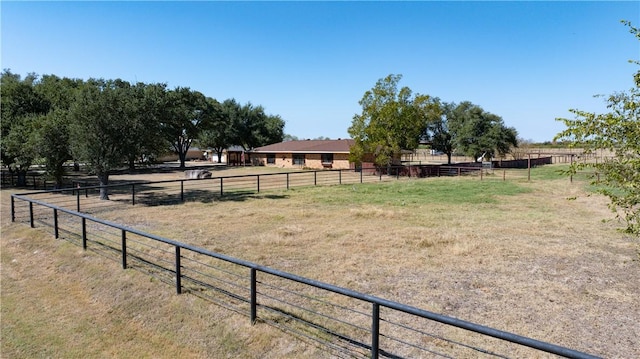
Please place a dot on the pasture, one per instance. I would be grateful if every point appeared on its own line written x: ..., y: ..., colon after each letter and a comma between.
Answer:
x: 533, y: 258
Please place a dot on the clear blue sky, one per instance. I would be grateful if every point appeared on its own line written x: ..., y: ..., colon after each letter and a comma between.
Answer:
x: 311, y: 62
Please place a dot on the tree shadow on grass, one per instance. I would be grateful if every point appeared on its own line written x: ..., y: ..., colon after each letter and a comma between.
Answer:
x: 163, y: 198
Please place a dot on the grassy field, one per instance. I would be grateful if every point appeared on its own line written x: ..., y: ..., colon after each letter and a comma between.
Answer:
x: 533, y: 258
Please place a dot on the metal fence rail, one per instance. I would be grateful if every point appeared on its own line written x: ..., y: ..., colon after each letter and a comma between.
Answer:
x: 346, y: 322
x: 152, y: 193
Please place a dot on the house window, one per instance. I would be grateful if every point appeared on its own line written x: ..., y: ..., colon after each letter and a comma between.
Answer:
x: 298, y: 160
x: 271, y: 158
x: 327, y: 158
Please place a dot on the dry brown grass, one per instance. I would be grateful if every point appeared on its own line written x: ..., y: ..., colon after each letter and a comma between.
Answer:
x: 537, y: 263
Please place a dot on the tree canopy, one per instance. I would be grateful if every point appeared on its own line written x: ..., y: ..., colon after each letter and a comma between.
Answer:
x: 478, y: 133
x: 220, y: 133
x: 23, y: 109
x: 107, y: 124
x: 392, y: 120
x: 185, y: 119
x: 99, y: 121
x: 617, y: 131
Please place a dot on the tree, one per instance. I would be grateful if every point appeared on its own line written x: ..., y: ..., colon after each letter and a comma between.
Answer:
x: 619, y: 132
x: 252, y: 126
x: 183, y: 119
x: 288, y: 137
x: 22, y: 108
x: 391, y: 120
x: 478, y: 133
x: 98, y: 120
x: 522, y: 150
x: 145, y: 104
x: 270, y: 130
x: 53, y: 142
x: 218, y: 134
x: 438, y: 132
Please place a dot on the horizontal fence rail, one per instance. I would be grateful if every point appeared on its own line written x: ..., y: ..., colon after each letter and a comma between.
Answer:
x: 83, y: 198
x: 345, y: 322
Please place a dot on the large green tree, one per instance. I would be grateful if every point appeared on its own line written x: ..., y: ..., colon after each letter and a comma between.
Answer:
x: 439, y: 132
x: 53, y: 141
x: 145, y: 105
x: 22, y: 109
x: 251, y: 126
x: 219, y: 133
x: 183, y: 119
x: 619, y: 132
x: 391, y: 120
x: 478, y: 133
x: 98, y: 122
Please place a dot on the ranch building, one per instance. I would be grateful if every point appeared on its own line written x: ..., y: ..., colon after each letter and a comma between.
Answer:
x: 313, y: 154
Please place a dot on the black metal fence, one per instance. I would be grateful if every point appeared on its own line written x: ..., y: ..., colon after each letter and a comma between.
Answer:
x: 31, y: 180
x: 345, y: 322
x: 83, y: 198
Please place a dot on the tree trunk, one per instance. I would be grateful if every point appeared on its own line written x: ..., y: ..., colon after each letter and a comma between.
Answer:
x: 183, y: 159
x: 57, y: 176
x: 132, y: 164
x: 22, y: 178
x: 220, y: 157
x: 449, y: 158
x: 103, y: 177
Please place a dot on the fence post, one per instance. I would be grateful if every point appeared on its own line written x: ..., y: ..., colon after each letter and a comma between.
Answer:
x: 221, y: 188
x: 481, y: 171
x: 133, y: 194
x: 458, y: 171
x: 34, y: 182
x: 375, y: 331
x: 84, y: 233
x: 124, y: 249
x: 287, y: 180
x: 339, y: 176
x: 504, y: 175
x: 315, y: 178
x: 258, y: 181
x: 254, y: 295
x: 31, y: 215
x: 78, y: 200
x: 13, y: 209
x: 181, y: 190
x: 360, y: 175
x: 55, y: 223
x: 529, y: 168
x: 178, y: 272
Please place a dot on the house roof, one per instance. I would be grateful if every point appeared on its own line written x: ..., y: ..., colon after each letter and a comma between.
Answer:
x: 308, y: 146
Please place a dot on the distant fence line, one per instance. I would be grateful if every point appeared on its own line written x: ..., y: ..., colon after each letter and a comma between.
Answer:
x: 39, y: 181
x: 347, y: 322
x: 78, y: 195
x: 558, y: 155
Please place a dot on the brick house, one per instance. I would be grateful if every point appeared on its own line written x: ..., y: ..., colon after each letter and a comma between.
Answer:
x: 314, y: 154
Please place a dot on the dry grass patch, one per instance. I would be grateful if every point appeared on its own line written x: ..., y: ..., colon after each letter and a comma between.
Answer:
x: 59, y: 301
x: 517, y: 256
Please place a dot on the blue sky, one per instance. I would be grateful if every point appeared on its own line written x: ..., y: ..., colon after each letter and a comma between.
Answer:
x: 311, y: 62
